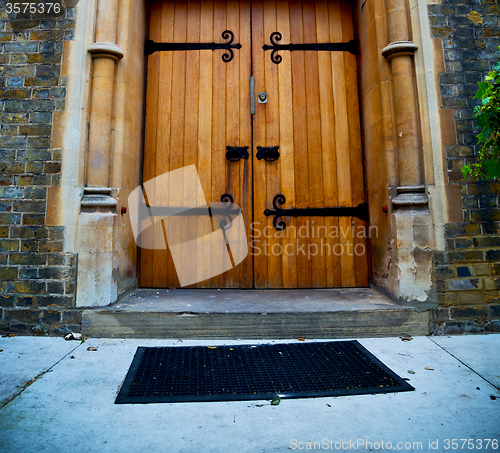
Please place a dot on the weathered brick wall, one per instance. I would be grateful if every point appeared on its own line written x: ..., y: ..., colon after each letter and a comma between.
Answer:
x: 467, y: 275
x: 37, y: 280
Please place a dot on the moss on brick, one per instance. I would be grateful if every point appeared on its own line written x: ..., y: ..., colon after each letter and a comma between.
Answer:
x: 31, y: 259
x: 51, y: 316
x: 72, y: 317
x: 30, y: 232
x: 33, y: 219
x: 29, y: 246
x: 22, y: 315
x: 8, y: 272
x: 9, y: 245
x: 10, y: 219
x: 12, y: 167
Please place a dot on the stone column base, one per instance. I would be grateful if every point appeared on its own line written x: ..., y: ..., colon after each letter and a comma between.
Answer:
x: 95, y: 284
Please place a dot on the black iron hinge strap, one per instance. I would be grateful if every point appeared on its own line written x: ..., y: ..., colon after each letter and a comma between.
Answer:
x: 360, y: 211
x: 229, y: 211
x: 152, y: 47
x: 351, y: 46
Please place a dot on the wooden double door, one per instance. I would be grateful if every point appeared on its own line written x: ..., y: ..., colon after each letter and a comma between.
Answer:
x: 198, y: 104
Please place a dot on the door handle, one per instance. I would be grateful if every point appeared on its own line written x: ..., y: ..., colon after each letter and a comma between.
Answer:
x: 269, y: 154
x: 235, y: 153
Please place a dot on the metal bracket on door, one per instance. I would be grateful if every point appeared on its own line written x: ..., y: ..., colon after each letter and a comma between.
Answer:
x: 235, y: 153
x: 351, y: 46
x: 152, y: 46
x: 360, y: 211
x: 269, y: 154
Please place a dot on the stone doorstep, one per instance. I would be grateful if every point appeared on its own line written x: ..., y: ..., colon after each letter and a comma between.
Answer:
x: 254, y: 314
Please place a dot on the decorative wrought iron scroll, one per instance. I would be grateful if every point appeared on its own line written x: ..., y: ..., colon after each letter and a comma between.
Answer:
x: 351, y: 46
x: 360, y: 211
x: 152, y: 47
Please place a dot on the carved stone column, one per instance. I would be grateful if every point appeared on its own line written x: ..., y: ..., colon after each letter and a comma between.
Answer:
x: 95, y: 238
x: 105, y: 53
x: 399, y: 52
x: 411, y: 222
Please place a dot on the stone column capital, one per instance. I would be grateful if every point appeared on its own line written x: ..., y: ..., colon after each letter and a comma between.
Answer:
x: 399, y: 48
x: 410, y: 197
x: 97, y: 199
x: 106, y: 50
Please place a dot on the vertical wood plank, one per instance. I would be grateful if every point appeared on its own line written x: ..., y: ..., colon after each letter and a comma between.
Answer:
x: 205, y: 119
x: 165, y: 273
x: 189, y: 225
x: 176, y: 154
x: 259, y: 136
x: 342, y: 146
x: 163, y: 268
x: 304, y: 276
x: 329, y: 162
x: 149, y: 169
x: 355, y: 146
x: 287, y: 149
x: 219, y: 181
x: 232, y: 277
x: 245, y: 131
x: 272, y: 169
x: 314, y: 148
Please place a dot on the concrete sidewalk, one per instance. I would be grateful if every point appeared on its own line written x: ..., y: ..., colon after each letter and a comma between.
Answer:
x: 70, y: 407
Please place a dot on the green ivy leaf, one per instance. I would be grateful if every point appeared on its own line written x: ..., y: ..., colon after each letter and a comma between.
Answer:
x: 483, y: 87
x: 485, y: 101
x: 466, y: 170
x: 492, y: 168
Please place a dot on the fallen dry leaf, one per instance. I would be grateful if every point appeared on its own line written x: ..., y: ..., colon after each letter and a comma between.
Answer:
x: 212, y: 347
x: 91, y: 348
x: 429, y: 368
x: 301, y: 339
x: 475, y: 17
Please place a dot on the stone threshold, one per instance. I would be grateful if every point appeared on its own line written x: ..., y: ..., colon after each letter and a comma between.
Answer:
x: 254, y: 314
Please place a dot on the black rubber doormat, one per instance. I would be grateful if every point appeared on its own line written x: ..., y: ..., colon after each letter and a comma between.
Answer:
x: 248, y: 372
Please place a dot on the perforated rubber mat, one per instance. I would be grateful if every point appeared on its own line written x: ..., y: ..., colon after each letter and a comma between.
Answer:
x: 248, y: 372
